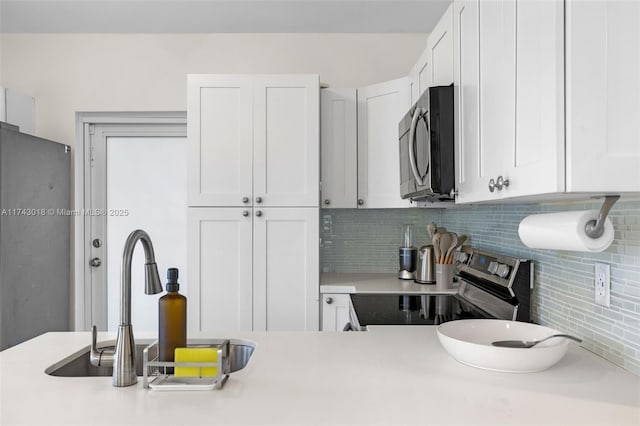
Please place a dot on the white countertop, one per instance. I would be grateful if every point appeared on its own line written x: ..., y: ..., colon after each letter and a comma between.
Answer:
x: 387, y: 376
x: 373, y: 283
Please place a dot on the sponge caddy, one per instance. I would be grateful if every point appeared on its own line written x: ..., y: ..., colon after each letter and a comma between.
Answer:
x: 196, y: 355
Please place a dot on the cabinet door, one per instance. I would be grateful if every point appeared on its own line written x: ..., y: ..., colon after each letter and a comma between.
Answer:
x: 286, y: 140
x: 220, y: 138
x: 534, y: 163
x: 219, y: 259
x: 440, y: 47
x: 422, y: 70
x: 339, y: 148
x: 497, y: 90
x: 380, y: 109
x: 469, y: 182
x: 286, y: 269
x: 603, y: 96
x: 335, y: 311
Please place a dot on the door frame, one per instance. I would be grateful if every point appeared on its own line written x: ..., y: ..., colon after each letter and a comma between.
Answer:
x: 83, y: 316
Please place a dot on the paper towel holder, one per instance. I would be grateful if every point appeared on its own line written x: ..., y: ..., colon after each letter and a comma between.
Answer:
x: 595, y: 228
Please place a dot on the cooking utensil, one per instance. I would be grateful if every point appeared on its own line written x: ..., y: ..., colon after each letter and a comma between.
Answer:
x: 432, y: 229
x: 445, y: 243
x: 436, y: 246
x: 531, y: 343
x: 452, y: 246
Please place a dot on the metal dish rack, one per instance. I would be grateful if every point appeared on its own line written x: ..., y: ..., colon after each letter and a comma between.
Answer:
x: 157, y: 374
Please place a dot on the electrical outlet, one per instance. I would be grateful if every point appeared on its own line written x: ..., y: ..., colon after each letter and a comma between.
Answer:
x: 603, y: 284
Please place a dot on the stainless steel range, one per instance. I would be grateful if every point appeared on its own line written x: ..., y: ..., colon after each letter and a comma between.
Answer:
x: 490, y: 285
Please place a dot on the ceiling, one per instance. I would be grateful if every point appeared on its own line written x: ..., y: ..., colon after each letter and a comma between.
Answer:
x: 220, y: 16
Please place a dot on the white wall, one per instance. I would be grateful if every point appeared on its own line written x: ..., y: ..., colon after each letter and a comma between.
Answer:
x: 67, y: 73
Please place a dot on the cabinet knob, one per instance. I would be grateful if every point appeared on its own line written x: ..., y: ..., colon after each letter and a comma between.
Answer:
x: 97, y: 243
x: 245, y: 200
x: 453, y: 193
x: 329, y: 300
x: 95, y: 262
x: 327, y: 202
x: 258, y: 200
x: 245, y: 213
x: 360, y: 201
x: 258, y: 213
x: 492, y: 185
x: 501, y: 182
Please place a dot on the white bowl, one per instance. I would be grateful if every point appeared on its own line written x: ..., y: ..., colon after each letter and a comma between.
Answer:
x: 469, y: 342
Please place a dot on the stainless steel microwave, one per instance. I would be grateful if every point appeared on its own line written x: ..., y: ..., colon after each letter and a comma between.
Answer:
x: 426, y: 147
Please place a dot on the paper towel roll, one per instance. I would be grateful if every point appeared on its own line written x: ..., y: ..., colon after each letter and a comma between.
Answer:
x: 564, y: 231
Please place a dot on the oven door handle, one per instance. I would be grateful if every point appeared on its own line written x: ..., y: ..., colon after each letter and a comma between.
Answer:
x: 412, y: 146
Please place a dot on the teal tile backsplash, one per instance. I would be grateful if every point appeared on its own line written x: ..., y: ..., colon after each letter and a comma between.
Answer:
x: 367, y: 240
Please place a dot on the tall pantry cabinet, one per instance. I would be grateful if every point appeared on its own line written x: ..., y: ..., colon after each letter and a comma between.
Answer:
x: 253, y: 197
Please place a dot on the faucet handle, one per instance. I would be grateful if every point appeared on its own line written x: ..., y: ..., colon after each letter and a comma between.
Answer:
x: 100, y: 357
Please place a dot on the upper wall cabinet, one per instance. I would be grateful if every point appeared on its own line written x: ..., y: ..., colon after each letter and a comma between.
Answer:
x: 510, y: 98
x: 435, y: 64
x: 253, y: 139
x: 339, y: 148
x: 603, y: 96
x: 380, y: 109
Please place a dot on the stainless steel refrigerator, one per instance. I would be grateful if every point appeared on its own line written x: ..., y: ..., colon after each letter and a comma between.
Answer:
x: 34, y: 236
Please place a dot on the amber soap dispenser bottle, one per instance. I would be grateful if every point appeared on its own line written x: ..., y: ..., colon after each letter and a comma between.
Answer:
x: 172, y: 331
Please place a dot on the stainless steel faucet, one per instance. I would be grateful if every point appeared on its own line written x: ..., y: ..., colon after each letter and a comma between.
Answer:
x: 123, y: 358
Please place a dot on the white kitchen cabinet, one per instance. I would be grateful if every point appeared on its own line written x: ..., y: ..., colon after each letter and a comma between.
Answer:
x: 339, y: 148
x: 286, y: 274
x: 253, y: 139
x: 380, y: 109
x: 440, y: 47
x: 420, y: 76
x: 219, y: 262
x: 335, y: 311
x: 603, y: 96
x: 253, y: 269
x: 18, y: 109
x: 513, y: 121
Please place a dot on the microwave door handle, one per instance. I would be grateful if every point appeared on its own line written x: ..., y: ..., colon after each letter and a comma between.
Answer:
x: 412, y: 146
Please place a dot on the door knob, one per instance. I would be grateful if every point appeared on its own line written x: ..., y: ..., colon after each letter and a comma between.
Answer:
x: 492, y: 185
x: 245, y: 213
x: 501, y: 182
x: 258, y: 200
x: 360, y: 201
x: 95, y: 262
x: 258, y: 213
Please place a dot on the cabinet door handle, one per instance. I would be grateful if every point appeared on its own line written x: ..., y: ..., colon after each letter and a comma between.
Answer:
x: 245, y: 213
x: 329, y: 300
x: 327, y: 202
x: 258, y: 213
x: 360, y: 202
x: 258, y: 200
x: 245, y: 200
x: 501, y: 182
x: 492, y: 185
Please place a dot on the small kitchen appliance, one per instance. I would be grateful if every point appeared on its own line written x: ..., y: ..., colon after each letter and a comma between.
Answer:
x: 425, y: 269
x: 426, y: 147
x: 407, y: 254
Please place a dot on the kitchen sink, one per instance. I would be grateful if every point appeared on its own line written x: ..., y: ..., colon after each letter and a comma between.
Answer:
x: 78, y: 365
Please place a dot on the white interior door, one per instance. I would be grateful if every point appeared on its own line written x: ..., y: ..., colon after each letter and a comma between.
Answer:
x: 137, y: 181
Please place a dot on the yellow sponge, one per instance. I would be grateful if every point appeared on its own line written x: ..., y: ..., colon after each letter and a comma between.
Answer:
x: 196, y: 355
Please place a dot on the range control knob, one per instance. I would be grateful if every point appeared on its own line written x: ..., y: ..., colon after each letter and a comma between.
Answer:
x: 461, y: 256
x: 493, y: 268
x: 503, y: 270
